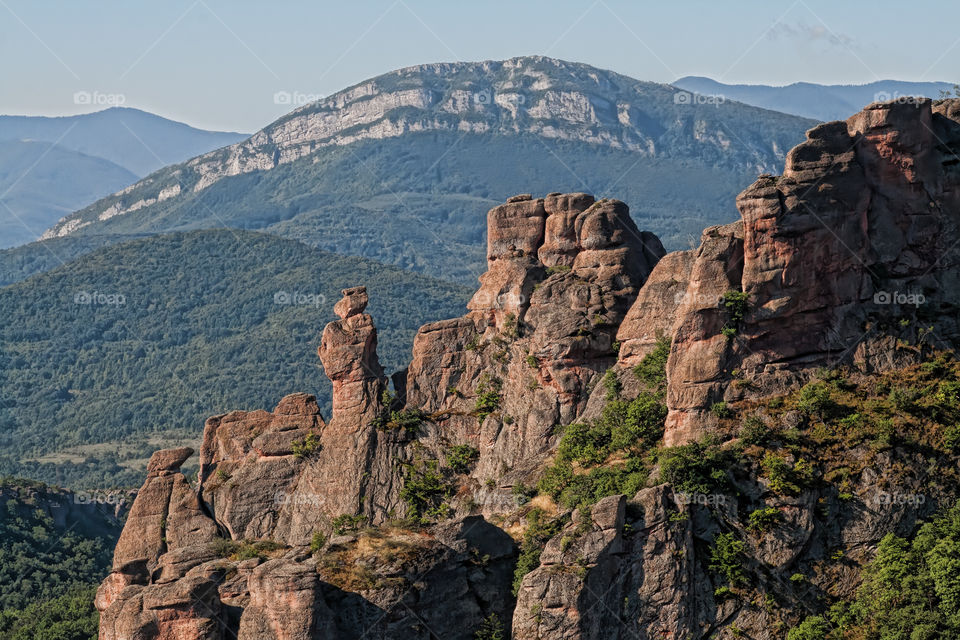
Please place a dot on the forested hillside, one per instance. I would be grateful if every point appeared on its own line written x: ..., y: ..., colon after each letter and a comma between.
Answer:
x: 149, y: 338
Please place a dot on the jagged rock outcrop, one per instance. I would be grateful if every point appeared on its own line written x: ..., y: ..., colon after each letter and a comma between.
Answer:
x: 852, y: 239
x: 864, y: 207
x: 348, y: 352
x: 597, y: 580
x: 563, y: 271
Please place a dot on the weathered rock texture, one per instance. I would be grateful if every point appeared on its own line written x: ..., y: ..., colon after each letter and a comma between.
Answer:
x: 854, y: 237
x: 865, y: 209
x: 563, y: 271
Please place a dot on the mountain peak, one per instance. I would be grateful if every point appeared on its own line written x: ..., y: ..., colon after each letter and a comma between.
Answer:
x: 533, y: 97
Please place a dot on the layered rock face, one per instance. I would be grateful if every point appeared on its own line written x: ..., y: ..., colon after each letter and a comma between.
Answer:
x: 846, y: 252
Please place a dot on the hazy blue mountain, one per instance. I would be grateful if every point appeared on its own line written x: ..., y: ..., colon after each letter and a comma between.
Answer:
x: 819, y: 101
x: 41, y: 183
x: 402, y: 168
x: 140, y: 142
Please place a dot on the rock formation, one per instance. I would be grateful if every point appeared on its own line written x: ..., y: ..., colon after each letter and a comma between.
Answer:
x: 562, y: 272
x: 846, y: 259
x: 854, y: 237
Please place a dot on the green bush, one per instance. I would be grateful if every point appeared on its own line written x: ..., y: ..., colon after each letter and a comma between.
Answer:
x: 317, y: 542
x: 461, y: 457
x: 488, y: 397
x: 951, y: 438
x: 625, y: 430
x: 539, y: 530
x: 490, y: 629
x: 347, y: 522
x: 307, y: 447
x: 754, y: 431
x: 635, y: 425
x: 409, y: 419
x: 816, y: 400
x: 764, y: 519
x: 721, y: 410
x: 652, y: 369
x: 813, y: 628
x: 784, y: 478
x: 583, y: 490
x: 698, y: 467
x: 559, y: 268
x: 726, y: 559
x: 425, y: 491
x: 735, y: 304
x: 612, y: 385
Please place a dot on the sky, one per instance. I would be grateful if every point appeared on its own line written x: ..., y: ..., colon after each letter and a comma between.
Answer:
x: 227, y: 64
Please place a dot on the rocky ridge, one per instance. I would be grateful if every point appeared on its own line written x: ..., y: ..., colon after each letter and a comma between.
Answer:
x: 533, y: 96
x: 273, y: 543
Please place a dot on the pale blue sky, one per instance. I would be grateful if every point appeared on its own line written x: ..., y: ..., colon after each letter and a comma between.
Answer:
x: 218, y: 63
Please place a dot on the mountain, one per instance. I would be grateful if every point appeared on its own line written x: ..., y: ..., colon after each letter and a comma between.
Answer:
x: 400, y: 168
x: 757, y: 437
x: 41, y: 183
x: 138, y: 141
x: 19, y: 263
x: 818, y: 101
x: 50, y: 167
x: 105, y: 358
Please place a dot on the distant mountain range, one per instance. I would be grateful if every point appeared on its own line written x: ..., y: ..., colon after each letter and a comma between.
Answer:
x: 402, y: 168
x: 818, y: 101
x: 41, y: 183
x: 50, y: 167
x: 138, y: 141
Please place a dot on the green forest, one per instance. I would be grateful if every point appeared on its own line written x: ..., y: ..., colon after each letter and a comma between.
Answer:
x: 50, y: 566
x: 151, y: 337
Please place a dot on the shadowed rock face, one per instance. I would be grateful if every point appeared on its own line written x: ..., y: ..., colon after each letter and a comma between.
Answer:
x: 825, y: 257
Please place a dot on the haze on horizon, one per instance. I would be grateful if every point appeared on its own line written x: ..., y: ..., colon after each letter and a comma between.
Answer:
x: 220, y: 65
